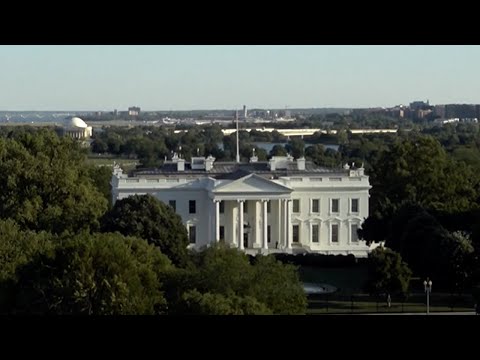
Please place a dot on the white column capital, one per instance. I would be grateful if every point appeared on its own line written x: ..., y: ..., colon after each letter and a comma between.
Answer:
x: 240, y: 200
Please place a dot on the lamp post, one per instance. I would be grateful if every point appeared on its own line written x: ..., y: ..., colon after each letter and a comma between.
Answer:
x: 428, y: 289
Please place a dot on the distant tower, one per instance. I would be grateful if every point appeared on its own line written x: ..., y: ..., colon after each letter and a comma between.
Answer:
x: 244, y: 111
x: 238, y: 150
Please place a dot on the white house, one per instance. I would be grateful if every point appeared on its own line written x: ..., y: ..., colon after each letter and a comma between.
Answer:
x: 283, y: 205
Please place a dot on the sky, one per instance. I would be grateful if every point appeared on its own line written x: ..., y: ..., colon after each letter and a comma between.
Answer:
x: 196, y: 77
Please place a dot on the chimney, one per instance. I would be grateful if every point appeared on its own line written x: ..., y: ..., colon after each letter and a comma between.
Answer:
x: 272, y: 164
x: 361, y: 170
x: 209, y: 162
x: 301, y: 163
x: 181, y: 165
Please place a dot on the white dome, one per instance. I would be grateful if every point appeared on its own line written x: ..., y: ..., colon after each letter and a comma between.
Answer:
x: 75, y: 122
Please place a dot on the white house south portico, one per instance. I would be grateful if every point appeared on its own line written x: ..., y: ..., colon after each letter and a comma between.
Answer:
x: 283, y: 205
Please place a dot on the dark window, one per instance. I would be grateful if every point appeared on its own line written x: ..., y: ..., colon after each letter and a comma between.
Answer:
x: 315, y: 205
x: 354, y: 205
x: 296, y: 206
x: 269, y: 206
x: 335, y: 233
x: 296, y: 229
x: 222, y: 207
x: 315, y: 229
x: 245, y: 207
x: 354, y: 229
x: 173, y: 204
x: 192, y: 206
x: 192, y: 234
x: 269, y: 233
x: 222, y: 232
x: 335, y: 206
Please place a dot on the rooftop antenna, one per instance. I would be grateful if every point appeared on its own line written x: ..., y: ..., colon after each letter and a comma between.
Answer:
x: 238, y: 151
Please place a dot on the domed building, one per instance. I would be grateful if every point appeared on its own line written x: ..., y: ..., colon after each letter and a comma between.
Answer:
x: 76, y: 128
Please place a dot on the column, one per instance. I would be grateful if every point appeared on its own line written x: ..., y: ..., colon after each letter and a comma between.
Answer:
x: 265, y: 229
x: 217, y: 220
x: 240, y: 224
x: 289, y: 224
x: 285, y: 223
x: 279, y: 219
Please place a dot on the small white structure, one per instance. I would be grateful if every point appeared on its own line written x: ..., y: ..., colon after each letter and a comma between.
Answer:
x: 76, y: 128
x: 283, y: 205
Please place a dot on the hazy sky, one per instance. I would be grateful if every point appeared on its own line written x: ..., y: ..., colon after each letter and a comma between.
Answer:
x: 227, y: 77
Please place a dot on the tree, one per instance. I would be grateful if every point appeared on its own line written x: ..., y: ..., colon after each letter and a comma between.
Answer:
x: 418, y: 170
x: 278, y: 150
x: 196, y: 303
x: 296, y: 147
x: 45, y: 184
x: 100, y: 274
x: 278, y: 286
x: 221, y: 280
x: 387, y: 272
x: 148, y: 218
x: 101, y: 176
x: 18, y: 247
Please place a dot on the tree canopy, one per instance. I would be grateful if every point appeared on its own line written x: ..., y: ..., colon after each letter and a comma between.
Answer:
x: 148, y: 218
x: 224, y: 281
x: 100, y: 274
x: 45, y: 185
x: 387, y: 272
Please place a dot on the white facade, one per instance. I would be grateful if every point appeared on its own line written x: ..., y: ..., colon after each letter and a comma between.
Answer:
x: 284, y: 205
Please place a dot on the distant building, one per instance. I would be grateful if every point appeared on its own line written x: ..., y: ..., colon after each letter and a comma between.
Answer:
x: 419, y: 105
x: 244, y: 114
x: 76, y: 128
x: 439, y: 111
x: 133, y: 111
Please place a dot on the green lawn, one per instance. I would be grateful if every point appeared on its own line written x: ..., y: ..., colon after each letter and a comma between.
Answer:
x: 126, y: 164
x: 346, y: 280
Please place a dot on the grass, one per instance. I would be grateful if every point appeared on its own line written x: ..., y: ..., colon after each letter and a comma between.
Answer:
x: 125, y: 164
x: 346, y: 279
x: 349, y: 282
x: 369, y: 305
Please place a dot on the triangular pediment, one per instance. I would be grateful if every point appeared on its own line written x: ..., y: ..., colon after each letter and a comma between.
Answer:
x: 252, y: 183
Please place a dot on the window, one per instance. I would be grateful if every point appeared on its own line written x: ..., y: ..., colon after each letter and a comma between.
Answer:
x: 315, y: 205
x: 222, y: 207
x: 269, y: 206
x: 296, y: 205
x: 296, y: 233
x: 192, y: 234
x: 335, y: 205
x: 354, y: 236
x: 245, y: 207
x: 334, y: 233
x: 315, y: 229
x: 192, y: 206
x: 173, y: 204
x: 354, y: 205
x: 269, y: 233
x: 222, y: 232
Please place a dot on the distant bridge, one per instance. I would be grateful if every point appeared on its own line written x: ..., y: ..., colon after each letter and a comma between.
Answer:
x: 304, y: 132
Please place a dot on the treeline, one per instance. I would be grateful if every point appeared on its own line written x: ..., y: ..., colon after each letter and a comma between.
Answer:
x: 64, y: 250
